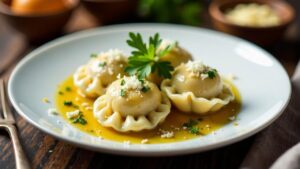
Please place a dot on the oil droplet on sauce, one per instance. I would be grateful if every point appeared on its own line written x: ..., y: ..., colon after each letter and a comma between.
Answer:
x: 173, y: 123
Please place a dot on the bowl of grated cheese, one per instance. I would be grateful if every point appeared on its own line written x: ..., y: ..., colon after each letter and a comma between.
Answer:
x: 263, y: 22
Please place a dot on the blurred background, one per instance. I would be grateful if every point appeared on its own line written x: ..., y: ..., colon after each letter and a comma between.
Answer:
x: 26, y: 24
x: 41, y: 20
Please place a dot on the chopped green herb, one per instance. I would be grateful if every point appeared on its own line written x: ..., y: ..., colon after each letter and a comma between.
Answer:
x: 79, y: 119
x: 145, y: 89
x: 192, y: 126
x: 122, y: 82
x: 142, y: 81
x: 145, y: 59
x: 102, y: 64
x: 93, y: 55
x: 68, y: 103
x: 191, y: 123
x: 123, y: 93
x: 68, y: 89
x: 194, y: 130
x: 60, y: 93
x: 212, y: 73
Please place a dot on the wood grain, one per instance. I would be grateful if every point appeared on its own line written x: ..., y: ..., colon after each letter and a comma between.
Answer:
x: 45, y: 151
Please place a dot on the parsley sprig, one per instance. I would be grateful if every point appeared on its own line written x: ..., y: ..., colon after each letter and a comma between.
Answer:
x: 145, y: 59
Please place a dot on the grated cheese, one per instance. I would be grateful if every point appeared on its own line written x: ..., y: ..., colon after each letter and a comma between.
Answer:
x: 231, y: 77
x: 144, y: 141
x: 88, y: 108
x: 132, y: 83
x: 45, y: 100
x: 204, y: 76
x: 85, y: 104
x: 109, y: 58
x: 231, y: 118
x: 180, y: 78
x: 110, y: 71
x: 253, y: 15
x: 195, y: 67
x: 96, y: 68
x: 119, y: 76
x: 127, y: 142
x: 167, y: 134
x: 114, y: 55
x: 73, y: 114
x: 52, y: 111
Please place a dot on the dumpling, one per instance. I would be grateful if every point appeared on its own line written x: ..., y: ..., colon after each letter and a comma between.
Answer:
x: 175, y: 56
x: 197, y: 88
x: 132, y: 105
x: 87, y: 85
x: 93, y: 78
x: 193, y: 77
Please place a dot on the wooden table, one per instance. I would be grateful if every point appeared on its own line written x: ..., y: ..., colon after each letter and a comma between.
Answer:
x: 46, y: 152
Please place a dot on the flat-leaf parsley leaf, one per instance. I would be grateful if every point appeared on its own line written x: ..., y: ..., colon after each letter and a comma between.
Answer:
x: 145, y: 59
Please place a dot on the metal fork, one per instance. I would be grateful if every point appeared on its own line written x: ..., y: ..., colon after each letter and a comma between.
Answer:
x: 8, y: 123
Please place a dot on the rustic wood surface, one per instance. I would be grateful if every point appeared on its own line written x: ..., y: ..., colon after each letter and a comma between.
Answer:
x: 44, y: 151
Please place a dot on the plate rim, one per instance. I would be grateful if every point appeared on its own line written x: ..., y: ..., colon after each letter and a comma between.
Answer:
x: 137, y: 151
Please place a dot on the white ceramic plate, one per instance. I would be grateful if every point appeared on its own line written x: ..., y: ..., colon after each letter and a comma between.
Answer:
x: 262, y: 82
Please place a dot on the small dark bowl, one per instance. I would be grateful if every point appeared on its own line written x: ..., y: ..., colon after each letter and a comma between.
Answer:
x: 111, y: 11
x: 37, y: 27
x: 260, y: 35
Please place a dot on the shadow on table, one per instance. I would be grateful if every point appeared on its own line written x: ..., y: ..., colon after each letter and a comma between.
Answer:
x: 227, y: 157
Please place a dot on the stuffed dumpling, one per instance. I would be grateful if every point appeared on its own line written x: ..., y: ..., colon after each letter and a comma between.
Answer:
x: 130, y: 104
x: 197, y: 88
x: 93, y: 78
x: 175, y: 55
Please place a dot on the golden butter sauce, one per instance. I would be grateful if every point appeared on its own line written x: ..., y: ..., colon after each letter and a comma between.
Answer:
x: 173, y: 123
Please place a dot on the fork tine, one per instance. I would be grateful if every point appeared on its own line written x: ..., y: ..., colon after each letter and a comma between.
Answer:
x: 1, y: 98
x: 6, y: 110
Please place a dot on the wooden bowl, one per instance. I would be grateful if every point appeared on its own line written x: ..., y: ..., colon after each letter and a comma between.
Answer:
x: 111, y: 11
x: 37, y: 27
x: 260, y: 35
